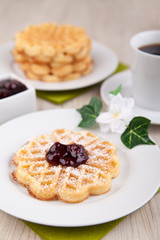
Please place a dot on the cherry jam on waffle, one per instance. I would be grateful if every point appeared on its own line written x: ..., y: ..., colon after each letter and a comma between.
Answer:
x: 71, y: 155
x: 10, y: 87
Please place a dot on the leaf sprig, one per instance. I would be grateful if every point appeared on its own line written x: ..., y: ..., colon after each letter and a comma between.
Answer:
x: 90, y: 112
x: 136, y: 132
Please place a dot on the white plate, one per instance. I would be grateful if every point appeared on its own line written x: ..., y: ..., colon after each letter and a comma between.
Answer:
x: 105, y: 63
x: 138, y: 181
x: 124, y: 78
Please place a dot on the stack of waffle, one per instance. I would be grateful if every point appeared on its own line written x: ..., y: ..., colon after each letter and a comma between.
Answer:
x: 52, y: 53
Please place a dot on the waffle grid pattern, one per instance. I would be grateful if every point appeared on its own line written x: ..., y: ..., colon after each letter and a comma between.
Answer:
x: 45, y: 181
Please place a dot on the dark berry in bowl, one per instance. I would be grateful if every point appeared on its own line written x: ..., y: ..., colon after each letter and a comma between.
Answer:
x: 9, y: 87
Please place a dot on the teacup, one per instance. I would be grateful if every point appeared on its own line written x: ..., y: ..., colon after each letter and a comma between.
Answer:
x: 146, y: 70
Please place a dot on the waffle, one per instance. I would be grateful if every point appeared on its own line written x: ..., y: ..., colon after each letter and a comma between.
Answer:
x: 45, y: 181
x: 48, y: 52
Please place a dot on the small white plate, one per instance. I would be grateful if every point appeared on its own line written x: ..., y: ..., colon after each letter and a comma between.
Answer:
x: 124, y: 78
x: 105, y: 63
x: 138, y: 181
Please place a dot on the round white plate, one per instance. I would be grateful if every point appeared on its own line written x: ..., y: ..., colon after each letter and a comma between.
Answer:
x: 105, y: 63
x: 138, y: 181
x: 124, y: 78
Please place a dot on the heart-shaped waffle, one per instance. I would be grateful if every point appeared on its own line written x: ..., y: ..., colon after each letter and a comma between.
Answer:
x: 71, y: 184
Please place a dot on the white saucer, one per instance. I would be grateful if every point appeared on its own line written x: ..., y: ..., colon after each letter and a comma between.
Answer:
x: 105, y: 63
x: 138, y: 181
x: 124, y: 78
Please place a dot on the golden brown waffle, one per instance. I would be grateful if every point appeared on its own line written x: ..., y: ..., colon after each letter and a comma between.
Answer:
x: 45, y: 181
x: 49, y: 52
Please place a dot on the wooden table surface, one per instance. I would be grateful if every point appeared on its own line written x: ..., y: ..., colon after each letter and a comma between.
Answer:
x: 112, y: 23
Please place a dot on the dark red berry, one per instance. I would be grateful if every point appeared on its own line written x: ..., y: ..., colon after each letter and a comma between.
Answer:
x: 71, y: 155
x: 10, y: 87
x: 4, y: 93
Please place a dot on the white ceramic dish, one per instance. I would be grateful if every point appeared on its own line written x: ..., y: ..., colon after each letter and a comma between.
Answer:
x: 138, y: 181
x: 105, y: 63
x: 124, y: 78
x: 18, y: 104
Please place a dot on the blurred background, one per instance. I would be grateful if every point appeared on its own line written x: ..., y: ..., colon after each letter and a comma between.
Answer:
x: 114, y: 26
x: 112, y: 22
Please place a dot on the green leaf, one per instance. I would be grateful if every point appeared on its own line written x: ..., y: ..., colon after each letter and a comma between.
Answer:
x: 87, y: 111
x: 97, y: 104
x: 90, y: 112
x: 87, y: 122
x: 137, y: 133
x: 118, y: 90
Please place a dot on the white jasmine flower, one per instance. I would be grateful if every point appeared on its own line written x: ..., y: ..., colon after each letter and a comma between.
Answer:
x: 120, y: 112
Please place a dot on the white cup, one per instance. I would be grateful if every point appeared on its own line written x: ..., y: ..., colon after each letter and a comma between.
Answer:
x: 146, y: 71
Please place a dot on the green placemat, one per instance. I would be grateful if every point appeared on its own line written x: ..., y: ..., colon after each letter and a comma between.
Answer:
x: 59, y: 97
x: 75, y: 233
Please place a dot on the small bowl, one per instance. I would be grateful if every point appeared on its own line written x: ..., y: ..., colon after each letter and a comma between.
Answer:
x: 18, y: 104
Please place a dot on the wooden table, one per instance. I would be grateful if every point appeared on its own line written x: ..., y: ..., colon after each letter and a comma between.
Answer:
x: 113, y: 23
